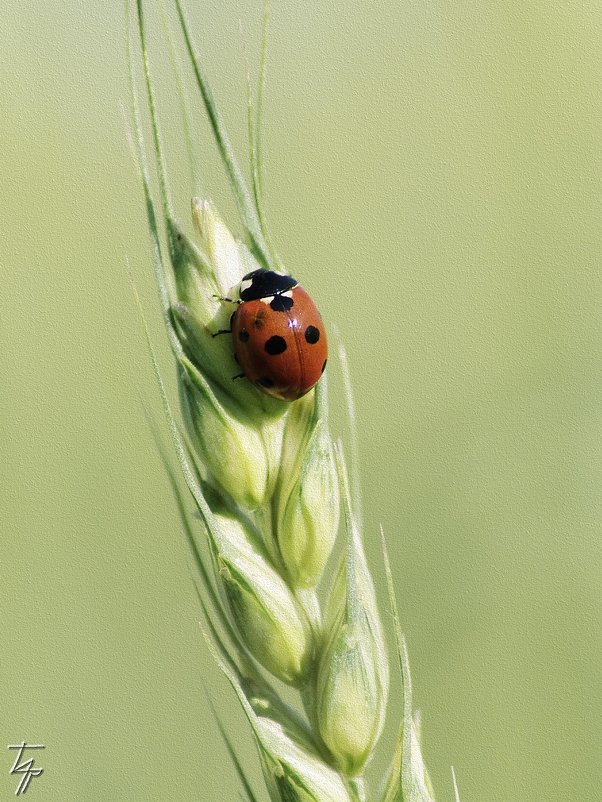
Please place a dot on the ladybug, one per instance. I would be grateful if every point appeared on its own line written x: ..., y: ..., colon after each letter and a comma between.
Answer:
x: 278, y: 335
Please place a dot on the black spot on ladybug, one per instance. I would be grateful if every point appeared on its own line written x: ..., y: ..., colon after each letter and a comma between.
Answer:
x: 243, y: 335
x: 265, y: 381
x: 275, y: 345
x: 280, y: 303
x: 312, y: 334
x: 324, y: 366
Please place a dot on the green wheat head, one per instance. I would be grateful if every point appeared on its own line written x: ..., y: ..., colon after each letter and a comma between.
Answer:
x: 268, y: 484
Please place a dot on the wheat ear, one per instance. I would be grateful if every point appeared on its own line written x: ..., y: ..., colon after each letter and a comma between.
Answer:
x: 268, y: 484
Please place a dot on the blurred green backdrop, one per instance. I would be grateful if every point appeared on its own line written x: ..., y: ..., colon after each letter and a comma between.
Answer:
x: 433, y: 176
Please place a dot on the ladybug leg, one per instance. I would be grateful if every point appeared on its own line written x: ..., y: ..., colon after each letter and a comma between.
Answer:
x: 224, y: 331
x: 227, y: 300
x: 238, y: 375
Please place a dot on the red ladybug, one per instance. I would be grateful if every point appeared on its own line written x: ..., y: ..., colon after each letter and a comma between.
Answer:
x: 278, y: 334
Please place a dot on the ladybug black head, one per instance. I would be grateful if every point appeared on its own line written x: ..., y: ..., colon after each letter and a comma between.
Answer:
x: 262, y: 283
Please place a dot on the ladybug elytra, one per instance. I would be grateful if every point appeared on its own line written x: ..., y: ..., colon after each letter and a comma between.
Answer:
x: 278, y: 335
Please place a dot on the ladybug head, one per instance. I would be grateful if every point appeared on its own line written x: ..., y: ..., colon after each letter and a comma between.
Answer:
x: 263, y: 283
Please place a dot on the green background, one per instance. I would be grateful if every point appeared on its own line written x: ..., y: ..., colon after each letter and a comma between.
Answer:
x: 433, y: 177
